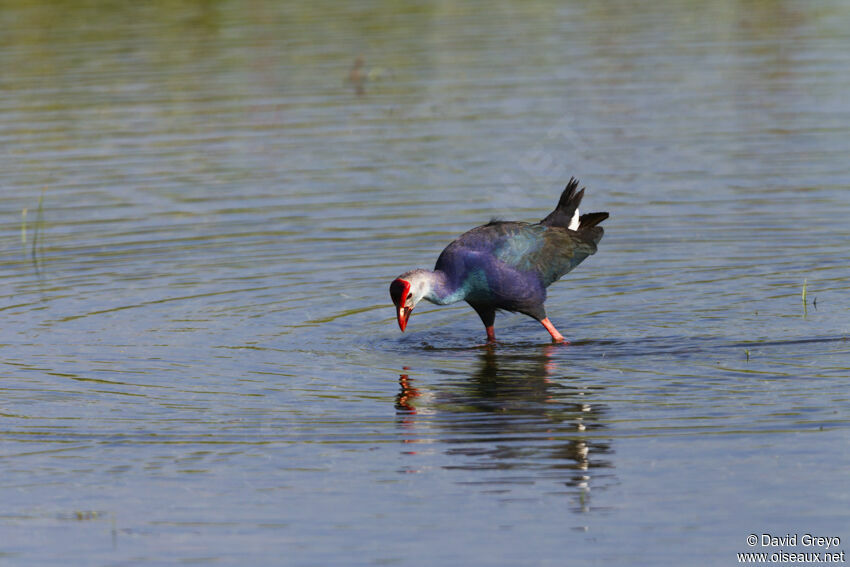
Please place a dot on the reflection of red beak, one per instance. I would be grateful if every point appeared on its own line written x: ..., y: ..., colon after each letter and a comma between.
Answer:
x: 403, y: 316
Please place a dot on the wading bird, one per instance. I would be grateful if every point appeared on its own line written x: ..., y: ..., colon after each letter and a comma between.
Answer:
x: 505, y: 265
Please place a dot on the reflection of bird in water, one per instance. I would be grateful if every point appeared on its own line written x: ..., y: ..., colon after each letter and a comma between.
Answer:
x: 404, y: 399
x: 407, y: 400
x: 403, y: 403
x: 509, y: 416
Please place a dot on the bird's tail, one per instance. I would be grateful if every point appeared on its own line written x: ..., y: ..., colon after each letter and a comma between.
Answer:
x: 566, y: 214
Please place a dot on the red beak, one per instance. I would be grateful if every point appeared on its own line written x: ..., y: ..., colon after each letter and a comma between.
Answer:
x: 403, y: 315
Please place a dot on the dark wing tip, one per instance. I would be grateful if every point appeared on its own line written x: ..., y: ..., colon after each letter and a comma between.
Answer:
x: 591, y: 219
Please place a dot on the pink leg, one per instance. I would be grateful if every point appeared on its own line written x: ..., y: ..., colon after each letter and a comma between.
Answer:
x: 491, y: 334
x: 556, y: 336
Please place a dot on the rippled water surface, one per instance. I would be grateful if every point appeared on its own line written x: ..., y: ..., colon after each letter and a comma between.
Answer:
x: 203, y: 205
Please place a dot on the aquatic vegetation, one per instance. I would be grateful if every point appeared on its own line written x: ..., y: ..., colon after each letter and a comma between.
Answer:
x: 24, y: 227
x: 37, y: 246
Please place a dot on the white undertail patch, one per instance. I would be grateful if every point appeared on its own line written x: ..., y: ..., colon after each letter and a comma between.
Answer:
x: 574, y: 221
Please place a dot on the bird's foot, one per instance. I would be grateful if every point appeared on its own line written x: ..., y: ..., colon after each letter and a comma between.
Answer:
x: 491, y: 334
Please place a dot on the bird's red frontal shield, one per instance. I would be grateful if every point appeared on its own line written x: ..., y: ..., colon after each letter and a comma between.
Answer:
x: 399, y: 291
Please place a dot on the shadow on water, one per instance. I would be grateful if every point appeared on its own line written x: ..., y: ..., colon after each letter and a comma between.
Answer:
x: 515, y: 420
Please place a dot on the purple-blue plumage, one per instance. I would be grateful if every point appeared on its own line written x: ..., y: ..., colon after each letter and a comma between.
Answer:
x: 506, y: 265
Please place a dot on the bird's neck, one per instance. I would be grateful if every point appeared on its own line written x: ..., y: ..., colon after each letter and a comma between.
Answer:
x: 442, y: 290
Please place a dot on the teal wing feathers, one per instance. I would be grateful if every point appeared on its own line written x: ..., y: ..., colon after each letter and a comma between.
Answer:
x: 549, y: 252
x: 546, y: 251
